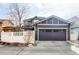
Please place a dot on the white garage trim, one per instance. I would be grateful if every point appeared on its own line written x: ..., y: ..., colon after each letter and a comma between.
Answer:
x: 52, y: 28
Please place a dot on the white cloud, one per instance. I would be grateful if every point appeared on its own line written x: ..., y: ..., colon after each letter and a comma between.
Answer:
x: 66, y: 10
x: 39, y: 1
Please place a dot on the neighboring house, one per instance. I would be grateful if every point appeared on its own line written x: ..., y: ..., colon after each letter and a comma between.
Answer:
x: 6, y: 25
x: 0, y: 29
x: 29, y: 22
x: 74, y: 21
x: 0, y: 26
x: 52, y: 29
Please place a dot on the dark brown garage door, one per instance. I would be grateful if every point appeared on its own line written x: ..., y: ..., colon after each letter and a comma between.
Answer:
x: 52, y: 35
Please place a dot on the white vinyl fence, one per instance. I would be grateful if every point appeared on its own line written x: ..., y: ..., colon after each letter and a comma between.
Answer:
x: 19, y: 37
x: 74, y: 36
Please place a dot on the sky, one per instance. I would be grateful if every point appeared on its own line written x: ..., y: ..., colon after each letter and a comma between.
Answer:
x: 63, y: 10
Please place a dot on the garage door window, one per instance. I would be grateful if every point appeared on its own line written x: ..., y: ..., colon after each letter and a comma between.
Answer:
x: 52, y: 30
x: 48, y: 30
x: 55, y: 30
x: 59, y: 30
x: 42, y: 30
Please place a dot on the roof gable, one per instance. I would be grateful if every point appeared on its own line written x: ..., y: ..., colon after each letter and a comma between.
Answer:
x: 7, y: 23
x: 74, y: 21
x: 2, y: 20
x: 61, y: 19
x: 53, y: 16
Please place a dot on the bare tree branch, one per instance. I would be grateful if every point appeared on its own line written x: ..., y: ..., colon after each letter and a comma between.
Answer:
x: 17, y: 12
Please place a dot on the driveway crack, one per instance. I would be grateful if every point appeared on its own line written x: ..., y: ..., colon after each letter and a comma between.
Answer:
x: 20, y: 51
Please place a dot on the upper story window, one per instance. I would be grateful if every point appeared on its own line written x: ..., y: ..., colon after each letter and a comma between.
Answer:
x: 49, y: 21
x: 55, y: 21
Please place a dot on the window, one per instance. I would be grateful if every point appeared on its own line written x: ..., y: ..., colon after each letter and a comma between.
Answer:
x: 64, y: 30
x: 48, y: 30
x: 55, y: 30
x: 55, y: 21
x: 59, y: 30
x: 41, y: 30
x: 49, y: 21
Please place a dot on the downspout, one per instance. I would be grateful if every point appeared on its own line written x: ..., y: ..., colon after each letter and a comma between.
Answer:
x: 69, y: 31
x: 35, y: 29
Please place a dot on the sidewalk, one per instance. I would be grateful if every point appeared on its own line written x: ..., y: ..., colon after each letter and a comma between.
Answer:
x: 75, y: 46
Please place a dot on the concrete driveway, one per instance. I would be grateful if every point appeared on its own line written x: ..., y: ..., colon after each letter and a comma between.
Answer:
x: 43, y: 48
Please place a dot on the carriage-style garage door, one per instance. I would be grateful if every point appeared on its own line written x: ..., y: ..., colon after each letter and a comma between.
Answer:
x: 52, y: 34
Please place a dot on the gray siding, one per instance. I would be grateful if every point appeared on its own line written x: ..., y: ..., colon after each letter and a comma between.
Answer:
x: 61, y: 22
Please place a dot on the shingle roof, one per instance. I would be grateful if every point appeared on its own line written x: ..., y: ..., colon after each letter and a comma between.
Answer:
x: 33, y: 18
x: 1, y: 20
